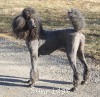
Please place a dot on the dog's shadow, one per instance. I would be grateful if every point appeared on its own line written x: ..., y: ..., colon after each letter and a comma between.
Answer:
x: 52, y: 87
x: 23, y: 82
x: 13, y: 81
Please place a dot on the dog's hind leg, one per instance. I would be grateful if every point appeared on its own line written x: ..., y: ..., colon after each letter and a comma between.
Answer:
x: 33, y: 49
x: 72, y: 48
x: 72, y: 62
x: 81, y: 57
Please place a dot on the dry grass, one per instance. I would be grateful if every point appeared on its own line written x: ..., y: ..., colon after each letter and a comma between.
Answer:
x: 53, y: 13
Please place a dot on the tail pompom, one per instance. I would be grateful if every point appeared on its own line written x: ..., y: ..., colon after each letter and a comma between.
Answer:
x: 76, y: 19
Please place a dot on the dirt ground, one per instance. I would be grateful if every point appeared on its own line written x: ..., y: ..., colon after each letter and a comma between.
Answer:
x: 55, y: 74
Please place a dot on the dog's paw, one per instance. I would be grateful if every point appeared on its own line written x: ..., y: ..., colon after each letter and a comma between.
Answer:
x: 72, y: 89
x: 83, y: 82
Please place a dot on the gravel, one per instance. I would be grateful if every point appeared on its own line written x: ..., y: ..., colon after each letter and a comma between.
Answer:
x: 55, y: 74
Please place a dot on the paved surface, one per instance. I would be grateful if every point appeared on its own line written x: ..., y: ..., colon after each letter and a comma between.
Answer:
x: 55, y: 74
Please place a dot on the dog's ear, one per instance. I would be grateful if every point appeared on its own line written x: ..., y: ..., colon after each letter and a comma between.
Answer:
x: 18, y: 23
x: 19, y: 27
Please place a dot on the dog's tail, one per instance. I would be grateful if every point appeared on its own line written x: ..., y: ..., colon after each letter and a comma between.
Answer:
x: 77, y: 19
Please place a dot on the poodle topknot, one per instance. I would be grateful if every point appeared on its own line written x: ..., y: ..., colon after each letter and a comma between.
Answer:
x: 76, y: 19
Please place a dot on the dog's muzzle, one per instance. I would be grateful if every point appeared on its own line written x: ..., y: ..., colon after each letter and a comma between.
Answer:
x: 31, y: 24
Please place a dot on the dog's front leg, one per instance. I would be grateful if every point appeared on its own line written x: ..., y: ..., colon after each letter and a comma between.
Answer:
x: 33, y: 49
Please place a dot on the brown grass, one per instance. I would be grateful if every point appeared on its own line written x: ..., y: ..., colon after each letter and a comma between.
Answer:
x: 53, y: 13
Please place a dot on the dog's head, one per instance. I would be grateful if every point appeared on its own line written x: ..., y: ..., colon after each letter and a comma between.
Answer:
x: 27, y: 24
